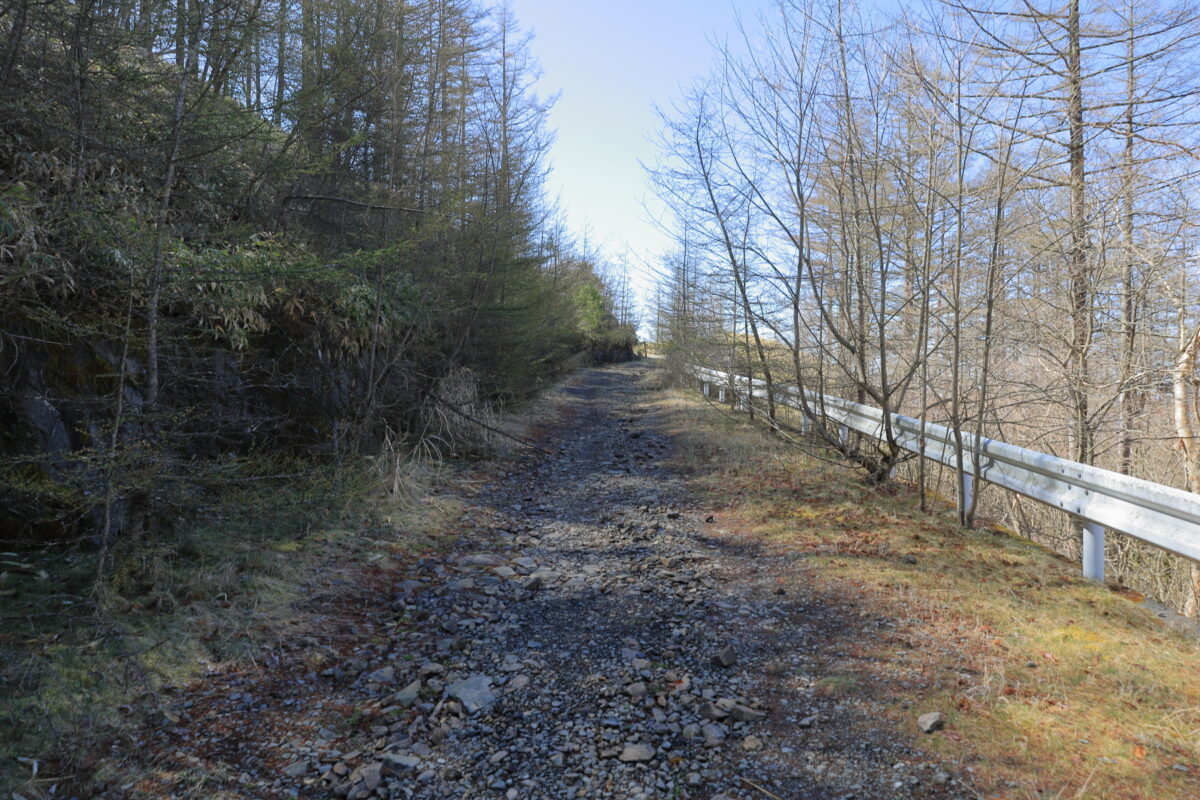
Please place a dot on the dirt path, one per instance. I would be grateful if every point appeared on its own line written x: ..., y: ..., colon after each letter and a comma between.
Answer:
x: 594, y: 637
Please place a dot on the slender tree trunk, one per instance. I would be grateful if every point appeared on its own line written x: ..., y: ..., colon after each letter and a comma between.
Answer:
x: 280, y: 63
x: 16, y: 37
x: 1184, y: 386
x: 181, y: 33
x: 735, y: 266
x: 81, y: 42
x: 174, y: 145
x: 963, y: 465
x: 111, y: 495
x: 1081, y: 290
x: 1129, y: 291
x: 993, y: 271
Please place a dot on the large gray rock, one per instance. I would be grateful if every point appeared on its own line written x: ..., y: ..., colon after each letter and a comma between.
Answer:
x: 475, y: 693
x: 368, y: 776
x: 933, y: 721
x: 726, y: 658
x: 408, y: 695
x: 637, y: 752
x: 745, y: 714
x: 481, y: 560
x: 399, y: 763
x: 381, y: 675
x: 713, y: 734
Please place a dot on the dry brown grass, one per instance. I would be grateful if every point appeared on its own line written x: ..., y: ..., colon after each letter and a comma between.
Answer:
x: 1054, y: 687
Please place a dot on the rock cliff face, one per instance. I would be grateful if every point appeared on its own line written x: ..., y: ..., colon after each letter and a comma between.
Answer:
x: 51, y: 414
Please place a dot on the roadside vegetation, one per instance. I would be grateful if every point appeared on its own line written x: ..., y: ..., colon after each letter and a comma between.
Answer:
x: 282, y: 578
x: 1051, y: 686
x: 224, y: 594
x: 262, y: 267
x: 978, y: 216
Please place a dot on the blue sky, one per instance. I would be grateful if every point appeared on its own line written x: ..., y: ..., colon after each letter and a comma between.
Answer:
x: 612, y: 60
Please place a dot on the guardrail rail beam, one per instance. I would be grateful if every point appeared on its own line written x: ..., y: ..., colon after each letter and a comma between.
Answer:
x: 1163, y: 516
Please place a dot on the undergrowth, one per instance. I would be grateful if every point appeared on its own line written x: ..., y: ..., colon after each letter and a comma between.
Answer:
x: 1052, y: 686
x: 82, y: 659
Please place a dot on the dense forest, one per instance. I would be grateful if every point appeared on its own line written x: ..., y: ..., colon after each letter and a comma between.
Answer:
x: 244, y: 239
x: 981, y: 215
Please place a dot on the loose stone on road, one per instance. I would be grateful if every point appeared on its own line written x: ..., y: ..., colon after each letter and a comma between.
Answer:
x: 594, y: 636
x: 598, y: 645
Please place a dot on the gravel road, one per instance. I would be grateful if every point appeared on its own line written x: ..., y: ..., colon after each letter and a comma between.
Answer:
x: 593, y: 635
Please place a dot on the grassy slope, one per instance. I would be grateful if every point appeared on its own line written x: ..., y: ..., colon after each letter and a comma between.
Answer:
x: 1052, y: 686
x: 233, y: 592
x: 79, y: 667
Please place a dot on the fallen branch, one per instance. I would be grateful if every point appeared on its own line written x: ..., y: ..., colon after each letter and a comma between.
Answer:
x: 486, y: 426
x: 754, y: 785
x: 28, y: 569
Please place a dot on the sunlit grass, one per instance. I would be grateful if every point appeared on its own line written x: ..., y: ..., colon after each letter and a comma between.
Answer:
x: 1053, y: 687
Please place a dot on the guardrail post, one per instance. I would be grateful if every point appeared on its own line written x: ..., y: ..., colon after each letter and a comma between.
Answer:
x: 721, y: 395
x: 805, y: 424
x: 1093, y: 551
x: 707, y: 389
x: 844, y: 435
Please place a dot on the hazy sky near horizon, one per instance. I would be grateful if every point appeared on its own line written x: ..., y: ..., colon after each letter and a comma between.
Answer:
x: 611, y: 61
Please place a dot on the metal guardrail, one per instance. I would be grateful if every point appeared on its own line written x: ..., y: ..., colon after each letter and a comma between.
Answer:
x: 1163, y: 516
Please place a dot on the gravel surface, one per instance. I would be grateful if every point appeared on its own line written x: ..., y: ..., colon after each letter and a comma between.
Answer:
x: 594, y: 636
